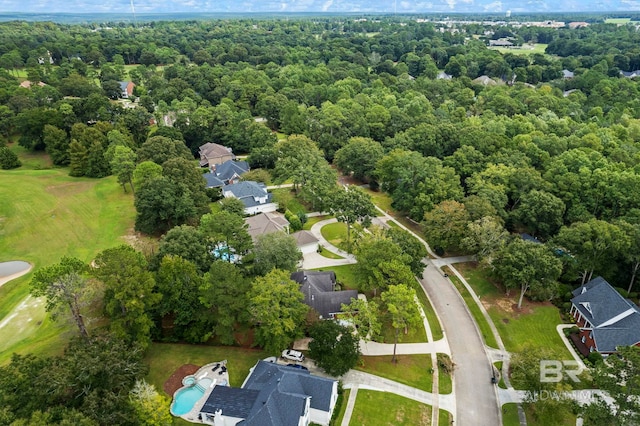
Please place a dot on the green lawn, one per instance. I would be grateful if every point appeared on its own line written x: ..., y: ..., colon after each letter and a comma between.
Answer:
x: 286, y: 196
x: 329, y: 254
x: 382, y: 409
x: 444, y: 418
x: 483, y: 325
x: 414, y: 334
x: 313, y: 220
x: 535, y: 324
x: 380, y: 199
x: 510, y: 415
x: 617, y: 21
x: 432, y: 318
x: 525, y: 49
x: 165, y: 358
x: 345, y: 275
x: 45, y: 215
x: 411, y: 370
x: 31, y: 160
x: 336, y: 234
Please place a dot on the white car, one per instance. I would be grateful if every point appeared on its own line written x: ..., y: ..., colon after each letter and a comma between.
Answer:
x: 292, y: 355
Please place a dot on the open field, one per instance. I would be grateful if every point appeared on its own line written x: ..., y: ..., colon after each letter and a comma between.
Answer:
x: 525, y: 49
x: 617, y: 21
x: 534, y: 325
x: 381, y: 409
x: 411, y: 370
x: 46, y: 215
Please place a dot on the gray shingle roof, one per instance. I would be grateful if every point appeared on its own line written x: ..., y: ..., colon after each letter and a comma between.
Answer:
x: 230, y: 168
x: 304, y: 238
x: 265, y: 223
x: 212, y: 180
x: 234, y: 402
x: 599, y: 303
x: 318, y: 290
x: 248, y: 191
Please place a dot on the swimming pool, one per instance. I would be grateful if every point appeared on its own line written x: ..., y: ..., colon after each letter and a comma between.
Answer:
x: 185, y: 399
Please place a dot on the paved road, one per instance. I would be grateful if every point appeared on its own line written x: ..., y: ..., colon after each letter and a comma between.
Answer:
x: 476, y: 398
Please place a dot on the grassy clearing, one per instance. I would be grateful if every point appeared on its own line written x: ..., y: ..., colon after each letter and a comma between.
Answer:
x: 432, y: 318
x: 510, y: 415
x: 483, y: 325
x: 381, y: 409
x: 533, y: 325
x: 617, y: 21
x: 411, y: 370
x: 165, y: 358
x: 46, y: 215
x: 525, y: 49
x: 31, y: 160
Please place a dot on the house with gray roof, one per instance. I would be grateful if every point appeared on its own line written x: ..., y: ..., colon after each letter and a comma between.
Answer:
x: 606, y: 319
x: 319, y: 290
x: 266, y: 223
x: 254, y: 195
x: 226, y: 173
x: 126, y: 89
x: 272, y: 395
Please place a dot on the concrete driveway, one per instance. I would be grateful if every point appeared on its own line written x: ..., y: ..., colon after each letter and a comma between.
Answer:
x: 476, y: 396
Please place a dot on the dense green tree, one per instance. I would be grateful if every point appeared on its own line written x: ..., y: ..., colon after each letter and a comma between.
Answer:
x: 96, y: 165
x: 485, y: 237
x: 129, y: 292
x: 78, y: 157
x: 359, y: 158
x: 178, y: 282
x: 529, y: 267
x: 334, y: 348
x: 276, y: 306
x: 186, y: 242
x: 541, y: 212
x: 226, y: 235
x: 351, y: 205
x: 65, y: 285
x: 592, y: 244
x: 232, y: 205
x: 275, y: 250
x: 145, y: 171
x: 160, y: 149
x: 151, y: 408
x: 365, y: 317
x: 410, y: 246
x: 445, y: 226
x: 224, y: 291
x: 400, y: 303
x: 123, y: 165
x: 8, y: 159
x: 56, y: 144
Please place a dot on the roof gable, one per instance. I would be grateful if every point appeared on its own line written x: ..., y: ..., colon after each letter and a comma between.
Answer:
x: 318, y: 290
x: 265, y: 223
x: 234, y: 402
x: 231, y: 168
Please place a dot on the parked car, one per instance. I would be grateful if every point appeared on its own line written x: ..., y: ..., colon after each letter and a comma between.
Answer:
x: 292, y: 355
x: 301, y: 367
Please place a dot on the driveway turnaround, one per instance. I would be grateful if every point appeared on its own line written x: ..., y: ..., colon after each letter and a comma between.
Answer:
x: 476, y: 396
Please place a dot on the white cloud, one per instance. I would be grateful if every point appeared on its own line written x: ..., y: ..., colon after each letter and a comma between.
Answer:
x: 327, y: 5
x: 496, y: 6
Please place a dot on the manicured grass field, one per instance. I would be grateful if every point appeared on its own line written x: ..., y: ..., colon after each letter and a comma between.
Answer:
x: 329, y: 254
x: 414, y: 334
x: 411, y: 370
x: 444, y: 418
x: 45, y: 215
x: 335, y: 233
x: 165, y: 358
x: 617, y: 21
x: 382, y: 409
x: 534, y: 325
x: 485, y: 330
x: 525, y: 49
x: 313, y: 220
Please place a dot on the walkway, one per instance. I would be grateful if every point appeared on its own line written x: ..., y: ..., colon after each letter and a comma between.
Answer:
x: 379, y: 349
x: 315, y: 230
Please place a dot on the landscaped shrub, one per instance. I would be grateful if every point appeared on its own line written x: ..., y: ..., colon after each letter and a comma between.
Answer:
x: 594, y: 358
x: 8, y: 159
x: 294, y: 221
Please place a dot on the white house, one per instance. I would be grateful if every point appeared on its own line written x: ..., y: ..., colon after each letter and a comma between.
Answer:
x: 254, y: 195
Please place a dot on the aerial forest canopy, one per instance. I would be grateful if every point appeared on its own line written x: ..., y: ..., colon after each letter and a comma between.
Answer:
x: 538, y: 142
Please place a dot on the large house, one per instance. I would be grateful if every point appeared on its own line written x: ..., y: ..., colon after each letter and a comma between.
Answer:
x: 606, y: 319
x: 226, y: 173
x: 126, y: 89
x: 254, y: 195
x: 318, y: 288
x: 266, y: 223
x: 272, y: 395
x: 212, y: 154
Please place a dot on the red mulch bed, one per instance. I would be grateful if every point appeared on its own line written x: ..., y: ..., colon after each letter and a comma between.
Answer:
x: 174, y: 382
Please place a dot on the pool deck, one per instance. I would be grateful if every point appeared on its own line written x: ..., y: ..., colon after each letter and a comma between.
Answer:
x: 206, y: 371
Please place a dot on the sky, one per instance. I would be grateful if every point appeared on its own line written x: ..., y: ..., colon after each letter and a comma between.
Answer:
x: 336, y: 6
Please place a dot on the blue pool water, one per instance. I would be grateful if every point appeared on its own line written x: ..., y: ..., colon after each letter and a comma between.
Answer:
x: 185, y: 399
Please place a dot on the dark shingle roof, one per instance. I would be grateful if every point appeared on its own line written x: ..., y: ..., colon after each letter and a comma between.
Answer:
x: 228, y: 169
x: 234, y: 402
x: 318, y: 290
x: 248, y: 191
x: 615, y: 320
x: 212, y: 180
